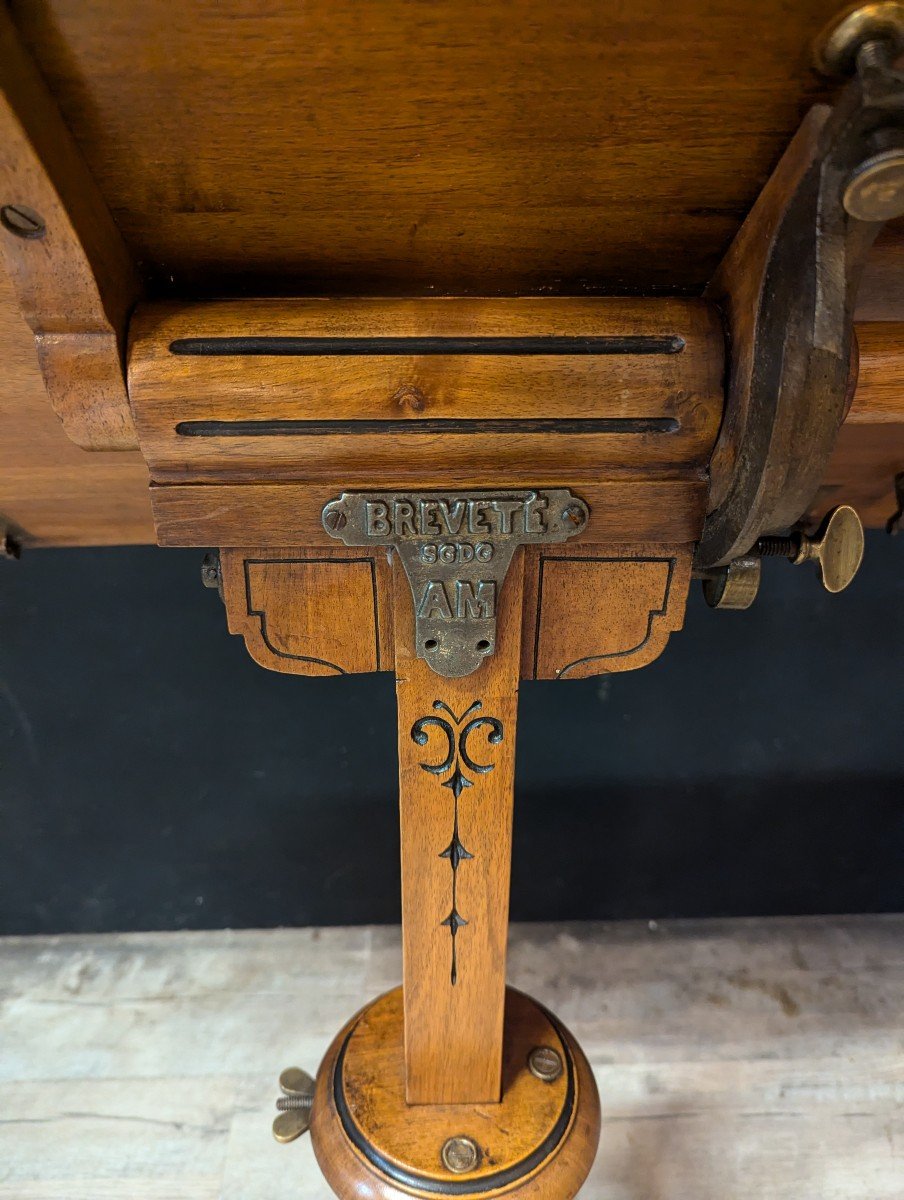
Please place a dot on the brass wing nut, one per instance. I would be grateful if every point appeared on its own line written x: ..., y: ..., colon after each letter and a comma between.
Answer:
x: 294, y: 1105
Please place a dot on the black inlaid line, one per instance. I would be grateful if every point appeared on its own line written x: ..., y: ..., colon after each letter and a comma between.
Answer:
x: 306, y: 347
x: 261, y: 614
x: 457, y: 1187
x: 581, y: 425
x: 562, y: 672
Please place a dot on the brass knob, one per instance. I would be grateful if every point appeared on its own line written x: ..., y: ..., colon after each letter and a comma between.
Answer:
x: 835, y: 49
x: 875, y: 189
x: 836, y: 548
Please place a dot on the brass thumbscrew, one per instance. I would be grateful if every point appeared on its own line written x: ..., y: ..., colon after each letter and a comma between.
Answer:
x: 836, y: 548
x: 294, y: 1105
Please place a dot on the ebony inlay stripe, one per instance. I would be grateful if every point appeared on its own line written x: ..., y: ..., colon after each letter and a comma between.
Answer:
x: 437, y: 425
x: 389, y: 346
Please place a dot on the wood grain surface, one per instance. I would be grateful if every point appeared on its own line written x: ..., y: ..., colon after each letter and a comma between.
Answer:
x: 864, y: 464
x: 734, y: 1058
x: 52, y: 492
x: 289, y: 514
x: 879, y: 398
x: 456, y: 828
x: 311, y: 611
x: 361, y: 413
x: 562, y: 1114
x: 446, y: 147
x: 601, y: 609
x: 75, y: 283
x: 251, y: 150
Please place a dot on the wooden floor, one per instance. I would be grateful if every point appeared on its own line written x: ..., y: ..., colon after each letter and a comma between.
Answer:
x: 760, y: 1059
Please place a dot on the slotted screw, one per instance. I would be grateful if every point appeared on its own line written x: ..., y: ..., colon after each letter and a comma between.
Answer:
x: 335, y: 520
x: 22, y: 221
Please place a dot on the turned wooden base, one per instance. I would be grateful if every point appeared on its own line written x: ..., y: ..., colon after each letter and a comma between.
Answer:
x: 539, y: 1141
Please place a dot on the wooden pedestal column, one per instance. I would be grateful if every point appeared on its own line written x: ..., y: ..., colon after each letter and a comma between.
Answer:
x: 456, y: 792
x: 429, y: 1090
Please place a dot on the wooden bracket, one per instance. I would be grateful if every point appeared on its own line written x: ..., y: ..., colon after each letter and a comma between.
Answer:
x: 73, y: 277
x: 587, y: 610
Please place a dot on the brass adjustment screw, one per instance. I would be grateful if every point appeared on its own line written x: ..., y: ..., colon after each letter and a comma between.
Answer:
x: 460, y: 1154
x: 875, y: 189
x: 294, y: 1105
x: 866, y: 40
x: 545, y: 1063
x: 836, y: 548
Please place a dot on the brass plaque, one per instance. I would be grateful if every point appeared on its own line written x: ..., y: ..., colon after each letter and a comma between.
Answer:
x: 456, y: 548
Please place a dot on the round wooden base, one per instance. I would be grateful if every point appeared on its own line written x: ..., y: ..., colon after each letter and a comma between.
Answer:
x: 537, y: 1142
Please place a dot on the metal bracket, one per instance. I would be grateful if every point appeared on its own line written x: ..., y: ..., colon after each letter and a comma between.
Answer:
x: 456, y: 548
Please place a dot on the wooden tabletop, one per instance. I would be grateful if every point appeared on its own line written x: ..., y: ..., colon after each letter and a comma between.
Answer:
x: 735, y: 1059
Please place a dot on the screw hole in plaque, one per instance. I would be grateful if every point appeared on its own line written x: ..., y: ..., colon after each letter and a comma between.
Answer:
x: 483, y: 646
x: 430, y: 644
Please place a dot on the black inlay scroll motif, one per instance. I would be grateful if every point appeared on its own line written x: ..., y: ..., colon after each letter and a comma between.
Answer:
x: 455, y: 763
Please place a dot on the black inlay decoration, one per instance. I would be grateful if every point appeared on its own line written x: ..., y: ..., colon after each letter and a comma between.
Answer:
x: 457, y: 1187
x: 292, y: 428
x: 383, y: 347
x: 451, y: 764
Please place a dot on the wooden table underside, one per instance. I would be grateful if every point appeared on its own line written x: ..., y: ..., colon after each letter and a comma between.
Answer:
x: 449, y: 148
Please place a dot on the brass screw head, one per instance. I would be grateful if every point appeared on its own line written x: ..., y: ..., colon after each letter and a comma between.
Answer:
x: 460, y: 1154
x: 575, y: 514
x: 835, y: 49
x: 334, y: 520
x: 22, y: 221
x: 875, y: 189
x: 545, y: 1063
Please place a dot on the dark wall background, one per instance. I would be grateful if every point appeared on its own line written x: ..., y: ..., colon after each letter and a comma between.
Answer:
x: 151, y: 776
